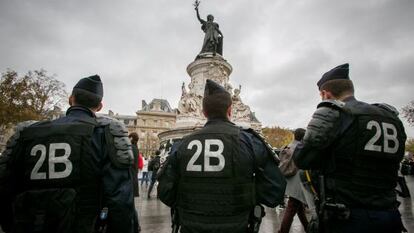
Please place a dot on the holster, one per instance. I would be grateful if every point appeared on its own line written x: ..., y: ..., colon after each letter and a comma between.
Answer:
x: 255, y: 219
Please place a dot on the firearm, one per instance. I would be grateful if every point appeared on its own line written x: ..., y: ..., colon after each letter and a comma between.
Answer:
x: 174, y: 220
x: 255, y: 219
x: 102, y: 221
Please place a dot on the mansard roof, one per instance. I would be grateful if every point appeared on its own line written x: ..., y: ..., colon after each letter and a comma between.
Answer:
x: 157, y: 105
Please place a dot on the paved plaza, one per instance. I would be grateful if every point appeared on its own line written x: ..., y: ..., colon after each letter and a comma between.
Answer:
x: 155, y: 216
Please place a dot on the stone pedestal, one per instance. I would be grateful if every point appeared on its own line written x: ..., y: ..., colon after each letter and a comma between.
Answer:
x: 190, y: 116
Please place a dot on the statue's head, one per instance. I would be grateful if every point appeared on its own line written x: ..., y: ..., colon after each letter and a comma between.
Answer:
x: 210, y: 18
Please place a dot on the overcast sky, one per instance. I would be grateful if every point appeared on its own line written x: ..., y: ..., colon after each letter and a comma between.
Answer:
x: 278, y: 49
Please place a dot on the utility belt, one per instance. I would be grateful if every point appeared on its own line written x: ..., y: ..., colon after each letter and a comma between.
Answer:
x: 255, y: 219
x: 331, y: 211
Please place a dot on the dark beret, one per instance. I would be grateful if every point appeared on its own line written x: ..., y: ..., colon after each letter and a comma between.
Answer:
x: 212, y: 88
x: 90, y: 84
x: 339, y: 72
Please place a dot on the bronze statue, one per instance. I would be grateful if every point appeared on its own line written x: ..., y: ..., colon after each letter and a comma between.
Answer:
x: 213, y: 39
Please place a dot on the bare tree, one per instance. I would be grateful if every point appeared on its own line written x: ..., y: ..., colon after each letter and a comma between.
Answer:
x: 408, y: 113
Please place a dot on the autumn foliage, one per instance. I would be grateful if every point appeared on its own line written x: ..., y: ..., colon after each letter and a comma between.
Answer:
x: 28, y: 97
x: 278, y: 136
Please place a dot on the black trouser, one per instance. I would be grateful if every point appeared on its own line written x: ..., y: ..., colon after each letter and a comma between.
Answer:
x: 368, y: 221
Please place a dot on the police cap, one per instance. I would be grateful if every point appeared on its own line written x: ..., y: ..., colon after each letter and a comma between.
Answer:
x: 213, y: 88
x: 339, y: 72
x: 91, y: 84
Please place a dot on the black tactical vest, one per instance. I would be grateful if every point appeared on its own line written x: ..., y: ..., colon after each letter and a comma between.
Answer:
x: 215, y: 194
x: 367, y: 157
x: 59, y: 189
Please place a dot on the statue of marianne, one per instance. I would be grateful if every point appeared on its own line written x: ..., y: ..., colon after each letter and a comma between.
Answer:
x: 213, y: 39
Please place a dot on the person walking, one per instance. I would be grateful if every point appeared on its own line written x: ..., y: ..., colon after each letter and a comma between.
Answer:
x: 145, y: 173
x: 153, y: 167
x: 296, y: 201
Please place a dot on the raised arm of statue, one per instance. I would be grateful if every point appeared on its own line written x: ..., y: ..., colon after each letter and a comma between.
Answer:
x: 196, y: 4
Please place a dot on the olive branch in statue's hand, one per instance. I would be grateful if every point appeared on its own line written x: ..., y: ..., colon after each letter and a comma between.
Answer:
x: 196, y: 4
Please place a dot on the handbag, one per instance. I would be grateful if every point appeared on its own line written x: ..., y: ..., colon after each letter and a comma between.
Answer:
x: 287, y: 165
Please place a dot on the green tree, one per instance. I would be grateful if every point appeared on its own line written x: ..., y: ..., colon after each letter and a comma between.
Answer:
x: 408, y: 112
x: 278, y: 136
x: 28, y: 97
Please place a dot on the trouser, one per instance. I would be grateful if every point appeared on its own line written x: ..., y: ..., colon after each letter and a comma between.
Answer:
x: 294, y: 207
x: 144, y: 178
x: 153, y: 180
x: 368, y: 221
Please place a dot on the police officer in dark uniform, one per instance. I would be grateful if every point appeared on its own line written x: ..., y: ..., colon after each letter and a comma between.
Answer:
x: 214, y: 177
x: 71, y: 174
x: 357, y: 148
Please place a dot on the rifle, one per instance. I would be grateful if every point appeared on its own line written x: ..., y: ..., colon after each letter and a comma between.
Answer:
x: 102, y: 221
x: 255, y: 219
x: 174, y: 220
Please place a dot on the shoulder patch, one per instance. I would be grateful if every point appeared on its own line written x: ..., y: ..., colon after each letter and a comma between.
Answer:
x: 261, y: 137
x: 337, y: 104
x: 387, y: 107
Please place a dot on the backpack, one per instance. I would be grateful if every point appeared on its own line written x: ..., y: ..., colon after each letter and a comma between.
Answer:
x: 287, y: 165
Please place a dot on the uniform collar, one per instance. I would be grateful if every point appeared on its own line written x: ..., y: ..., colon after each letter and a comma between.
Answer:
x: 80, y: 111
x: 217, y: 120
x: 349, y: 98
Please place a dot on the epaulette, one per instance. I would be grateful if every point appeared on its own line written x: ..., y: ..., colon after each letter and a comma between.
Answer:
x: 336, y: 104
x: 262, y: 138
x: 387, y: 107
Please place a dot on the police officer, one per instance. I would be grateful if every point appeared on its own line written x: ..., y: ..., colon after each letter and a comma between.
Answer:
x: 214, y: 177
x: 357, y: 147
x: 67, y: 174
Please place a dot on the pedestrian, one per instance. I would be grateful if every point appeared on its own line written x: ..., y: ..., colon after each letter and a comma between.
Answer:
x: 64, y: 175
x: 296, y: 202
x: 356, y: 147
x: 153, y: 167
x: 215, y: 177
x: 133, y: 137
x: 145, y: 173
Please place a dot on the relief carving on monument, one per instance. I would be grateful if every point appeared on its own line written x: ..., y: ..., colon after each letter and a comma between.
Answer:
x: 190, y: 104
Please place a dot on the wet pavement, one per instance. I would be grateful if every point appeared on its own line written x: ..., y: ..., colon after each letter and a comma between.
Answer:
x: 154, y: 216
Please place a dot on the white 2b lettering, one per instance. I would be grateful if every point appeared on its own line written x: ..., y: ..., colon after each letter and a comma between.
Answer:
x: 208, y: 154
x: 386, y: 129
x: 53, y: 160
